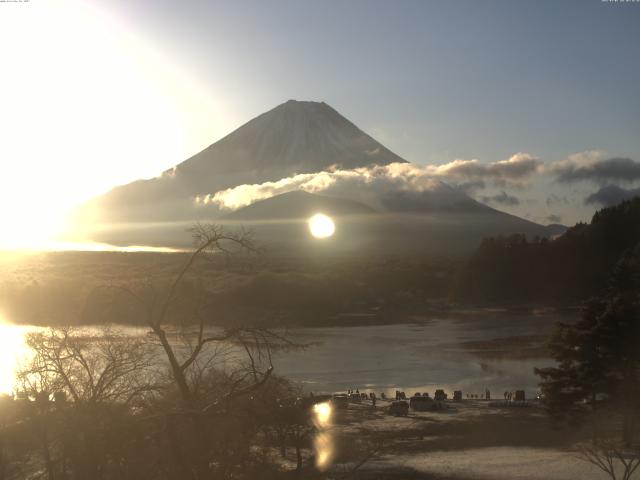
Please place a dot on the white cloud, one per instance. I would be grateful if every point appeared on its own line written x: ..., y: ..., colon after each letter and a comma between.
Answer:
x: 376, y: 180
x: 515, y: 170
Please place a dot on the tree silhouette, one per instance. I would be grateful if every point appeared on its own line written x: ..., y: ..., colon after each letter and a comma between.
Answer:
x: 598, y: 371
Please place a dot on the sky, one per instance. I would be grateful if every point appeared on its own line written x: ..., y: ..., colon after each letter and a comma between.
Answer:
x: 95, y: 94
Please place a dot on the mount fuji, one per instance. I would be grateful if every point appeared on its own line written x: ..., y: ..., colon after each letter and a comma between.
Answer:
x: 294, y: 137
x: 298, y: 137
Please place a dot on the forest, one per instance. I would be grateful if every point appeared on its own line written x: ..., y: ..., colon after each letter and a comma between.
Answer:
x: 564, y: 270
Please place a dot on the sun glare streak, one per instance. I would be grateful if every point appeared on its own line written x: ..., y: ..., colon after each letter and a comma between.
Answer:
x: 86, y: 105
x: 323, y: 443
x: 321, y: 226
x: 105, y: 247
x: 324, y: 447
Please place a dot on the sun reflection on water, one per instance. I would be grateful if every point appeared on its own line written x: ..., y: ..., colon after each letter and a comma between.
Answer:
x: 323, y: 443
x: 13, y: 353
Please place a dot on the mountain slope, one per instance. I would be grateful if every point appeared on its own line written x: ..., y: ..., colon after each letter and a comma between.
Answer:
x: 295, y: 137
x: 298, y: 205
x: 420, y: 224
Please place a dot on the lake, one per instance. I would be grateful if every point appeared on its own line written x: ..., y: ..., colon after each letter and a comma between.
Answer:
x: 415, y: 357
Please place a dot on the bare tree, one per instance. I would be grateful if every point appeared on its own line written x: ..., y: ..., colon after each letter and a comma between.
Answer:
x: 215, y: 371
x: 367, y: 454
x: 83, y: 386
x: 197, y: 346
x: 616, y: 460
x: 123, y: 417
x: 89, y: 368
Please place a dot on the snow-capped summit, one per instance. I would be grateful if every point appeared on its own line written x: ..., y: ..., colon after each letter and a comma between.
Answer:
x: 296, y: 136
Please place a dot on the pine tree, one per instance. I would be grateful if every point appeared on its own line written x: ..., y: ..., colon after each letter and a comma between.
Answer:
x: 598, y: 357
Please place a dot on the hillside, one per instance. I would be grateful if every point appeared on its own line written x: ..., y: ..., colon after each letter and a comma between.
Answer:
x: 573, y: 266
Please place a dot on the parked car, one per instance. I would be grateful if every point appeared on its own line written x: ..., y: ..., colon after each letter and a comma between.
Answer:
x: 355, y: 398
x: 399, y: 408
x: 340, y: 401
x: 421, y: 403
x: 440, y: 396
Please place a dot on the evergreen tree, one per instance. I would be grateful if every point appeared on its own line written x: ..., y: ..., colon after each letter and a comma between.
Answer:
x: 598, y: 358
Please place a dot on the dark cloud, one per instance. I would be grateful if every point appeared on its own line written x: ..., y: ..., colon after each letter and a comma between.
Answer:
x: 502, y: 198
x: 611, y: 195
x: 598, y: 171
x: 554, y: 218
x: 470, y: 187
x: 554, y: 199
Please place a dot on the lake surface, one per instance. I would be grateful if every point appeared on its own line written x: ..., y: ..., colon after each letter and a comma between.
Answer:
x: 410, y: 357
x: 414, y: 357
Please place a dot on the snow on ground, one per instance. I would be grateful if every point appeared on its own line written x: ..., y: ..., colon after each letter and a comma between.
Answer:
x: 496, y: 463
x: 467, y: 440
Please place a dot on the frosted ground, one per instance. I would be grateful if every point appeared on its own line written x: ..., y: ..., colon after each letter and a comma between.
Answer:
x: 468, y: 440
x: 496, y: 463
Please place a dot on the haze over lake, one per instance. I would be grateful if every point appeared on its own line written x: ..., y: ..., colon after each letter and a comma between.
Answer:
x: 423, y: 356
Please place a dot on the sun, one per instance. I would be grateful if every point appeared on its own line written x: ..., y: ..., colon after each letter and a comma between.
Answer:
x: 321, y: 226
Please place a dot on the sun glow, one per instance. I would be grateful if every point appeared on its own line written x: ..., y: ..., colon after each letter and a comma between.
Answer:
x: 13, y: 353
x: 86, y: 105
x: 321, y: 226
x: 322, y: 413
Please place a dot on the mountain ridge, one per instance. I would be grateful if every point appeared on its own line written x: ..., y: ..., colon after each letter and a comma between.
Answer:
x: 305, y: 124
